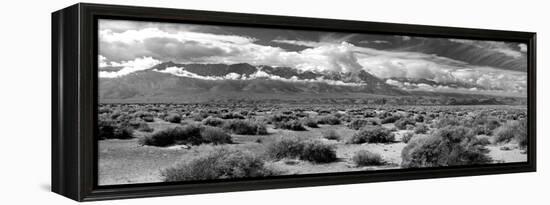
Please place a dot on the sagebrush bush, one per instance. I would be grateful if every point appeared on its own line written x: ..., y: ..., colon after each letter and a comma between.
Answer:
x: 390, y: 119
x: 144, y: 127
x: 245, y: 127
x: 285, y: 148
x: 232, y: 115
x: 357, y: 124
x: 104, y: 110
x: 329, y: 120
x: 372, y: 134
x: 173, y: 118
x: 312, y: 151
x: 523, y: 143
x: 145, y: 116
x: 490, y: 125
x: 407, y: 136
x: 220, y: 163
x: 521, y: 138
x: 111, y: 130
x: 331, y: 135
x: 421, y: 128
x: 106, y: 129
x: 133, y: 123
x: 403, y: 122
x: 318, y: 152
x: 366, y: 158
x: 484, y: 140
x: 116, y: 114
x: 505, y: 133
x: 481, y: 123
x: 124, y: 132
x: 511, y: 130
x: 188, y: 134
x: 215, y: 135
x: 301, y: 114
x: 290, y: 125
x: 346, y: 118
x: 245, y: 113
x: 419, y: 118
x: 447, y: 121
x: 148, y: 118
x: 199, y: 116
x: 124, y: 117
x: 213, y: 121
x: 281, y: 117
x: 310, y: 122
x: 369, y: 113
x: 448, y: 146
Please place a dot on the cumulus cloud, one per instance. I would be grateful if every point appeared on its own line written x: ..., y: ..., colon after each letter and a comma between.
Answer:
x: 346, y: 57
x: 179, y: 71
x: 330, y: 54
x: 445, y: 88
x: 180, y: 46
x: 299, y: 43
x: 233, y: 76
x: 139, y: 47
x: 102, y: 61
x: 336, y: 57
x: 259, y: 74
x: 130, y: 67
x: 474, y: 76
x: 375, y: 41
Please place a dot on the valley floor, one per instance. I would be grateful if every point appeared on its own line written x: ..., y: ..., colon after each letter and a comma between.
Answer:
x: 127, y: 162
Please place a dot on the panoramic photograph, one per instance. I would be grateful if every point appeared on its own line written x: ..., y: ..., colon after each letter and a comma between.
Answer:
x: 193, y: 102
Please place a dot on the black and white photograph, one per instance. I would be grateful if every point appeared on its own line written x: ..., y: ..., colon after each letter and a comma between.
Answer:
x: 183, y: 102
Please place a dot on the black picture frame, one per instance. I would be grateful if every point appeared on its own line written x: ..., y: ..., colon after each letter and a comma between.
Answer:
x: 74, y: 101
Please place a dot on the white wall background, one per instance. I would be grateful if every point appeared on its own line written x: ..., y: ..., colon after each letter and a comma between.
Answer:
x: 25, y: 90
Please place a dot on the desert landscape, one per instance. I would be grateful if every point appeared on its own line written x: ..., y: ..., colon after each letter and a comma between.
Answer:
x: 188, y: 102
x: 143, y: 143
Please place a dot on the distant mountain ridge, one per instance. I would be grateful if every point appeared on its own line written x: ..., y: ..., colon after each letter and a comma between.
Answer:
x: 207, y: 82
x: 156, y: 81
x: 246, y: 70
x: 217, y: 70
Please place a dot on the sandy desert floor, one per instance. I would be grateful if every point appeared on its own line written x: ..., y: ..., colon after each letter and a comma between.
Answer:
x: 126, y: 162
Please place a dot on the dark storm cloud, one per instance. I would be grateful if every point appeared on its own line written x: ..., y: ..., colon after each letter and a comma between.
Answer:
x: 118, y: 51
x: 163, y: 49
x: 174, y: 50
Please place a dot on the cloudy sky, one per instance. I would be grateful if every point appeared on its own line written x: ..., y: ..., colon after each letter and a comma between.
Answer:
x: 404, y: 61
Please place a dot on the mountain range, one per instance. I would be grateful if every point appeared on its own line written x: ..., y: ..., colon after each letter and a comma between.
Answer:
x: 188, y: 83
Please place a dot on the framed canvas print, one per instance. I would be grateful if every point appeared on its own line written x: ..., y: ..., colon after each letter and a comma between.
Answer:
x: 155, y: 101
